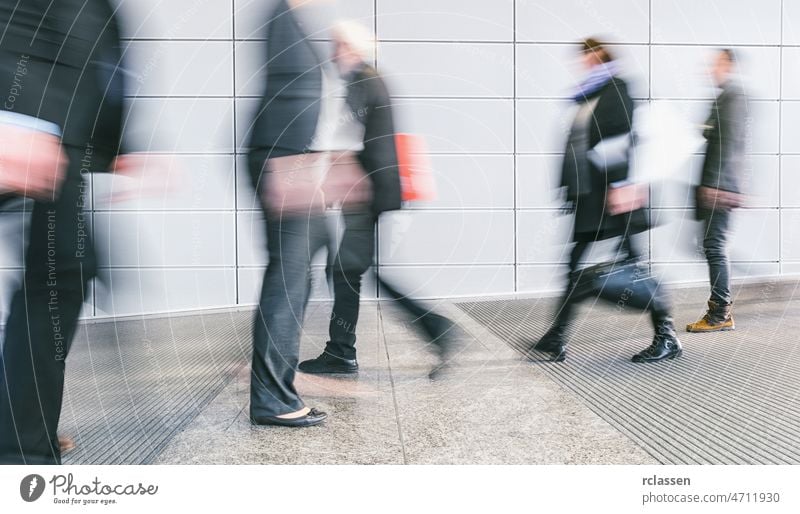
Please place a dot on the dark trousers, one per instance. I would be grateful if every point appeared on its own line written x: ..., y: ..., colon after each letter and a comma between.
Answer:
x: 292, y: 243
x: 347, y: 268
x: 41, y: 324
x: 715, y: 241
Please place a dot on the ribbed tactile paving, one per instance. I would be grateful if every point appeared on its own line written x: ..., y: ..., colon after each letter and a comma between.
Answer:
x: 132, y: 385
x: 733, y: 398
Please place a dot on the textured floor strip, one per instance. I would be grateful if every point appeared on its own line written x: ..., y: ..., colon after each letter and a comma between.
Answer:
x: 132, y: 385
x: 733, y: 398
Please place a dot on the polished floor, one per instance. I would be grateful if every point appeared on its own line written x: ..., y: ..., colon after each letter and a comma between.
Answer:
x: 175, y: 391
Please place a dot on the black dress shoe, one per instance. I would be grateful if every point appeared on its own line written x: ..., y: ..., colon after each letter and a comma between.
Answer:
x: 314, y: 417
x: 327, y: 363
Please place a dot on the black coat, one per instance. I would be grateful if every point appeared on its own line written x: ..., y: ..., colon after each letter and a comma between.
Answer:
x: 62, y: 62
x: 612, y: 116
x: 287, y: 116
x: 371, y: 104
x: 724, y: 161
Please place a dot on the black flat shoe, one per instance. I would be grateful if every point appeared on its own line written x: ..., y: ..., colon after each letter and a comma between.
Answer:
x: 314, y: 417
x: 327, y: 363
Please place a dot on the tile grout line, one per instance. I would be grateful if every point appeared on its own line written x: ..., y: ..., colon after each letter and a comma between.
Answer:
x: 391, y: 383
x: 514, y: 144
x: 235, y: 163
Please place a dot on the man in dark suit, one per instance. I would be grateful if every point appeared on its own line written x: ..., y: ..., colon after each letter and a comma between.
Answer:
x: 64, y: 99
x: 720, y: 189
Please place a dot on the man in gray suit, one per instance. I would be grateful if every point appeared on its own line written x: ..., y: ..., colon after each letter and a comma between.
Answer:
x: 720, y: 191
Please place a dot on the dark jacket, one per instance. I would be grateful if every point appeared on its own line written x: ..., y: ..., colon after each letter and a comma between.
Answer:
x: 612, y: 116
x: 62, y: 63
x: 726, y: 135
x: 371, y: 104
x: 288, y: 113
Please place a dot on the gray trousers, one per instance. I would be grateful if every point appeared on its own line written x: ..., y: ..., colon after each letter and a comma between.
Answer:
x: 715, y: 246
x: 292, y: 243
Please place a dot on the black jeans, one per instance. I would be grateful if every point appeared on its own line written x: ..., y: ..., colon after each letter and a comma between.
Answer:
x: 715, y: 242
x: 292, y: 243
x: 347, y: 268
x: 41, y: 324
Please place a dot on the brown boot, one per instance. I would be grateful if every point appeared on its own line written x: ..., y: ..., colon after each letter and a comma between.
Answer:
x: 718, y: 318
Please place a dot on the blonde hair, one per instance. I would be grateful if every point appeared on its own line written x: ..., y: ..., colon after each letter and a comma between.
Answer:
x: 356, y: 36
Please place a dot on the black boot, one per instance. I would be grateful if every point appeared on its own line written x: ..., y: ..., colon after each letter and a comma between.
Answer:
x: 665, y: 343
x: 554, y: 342
x: 327, y: 363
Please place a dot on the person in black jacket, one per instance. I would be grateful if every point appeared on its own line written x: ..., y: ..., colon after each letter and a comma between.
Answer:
x: 285, y: 130
x: 605, y: 111
x: 720, y: 190
x: 369, y: 102
x: 61, y: 64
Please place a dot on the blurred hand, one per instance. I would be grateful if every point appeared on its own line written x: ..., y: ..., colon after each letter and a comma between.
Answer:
x: 143, y: 175
x: 32, y: 163
x: 626, y: 198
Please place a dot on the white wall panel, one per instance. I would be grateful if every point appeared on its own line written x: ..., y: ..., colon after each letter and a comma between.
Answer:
x: 458, y: 20
x: 134, y: 291
x: 180, y: 68
x: 176, y: 19
x: 791, y: 22
x: 790, y: 181
x: 147, y: 239
x: 181, y: 125
x: 790, y: 127
x: 542, y: 278
x: 447, y: 69
x: 543, y: 125
x: 572, y: 20
x: 790, y: 237
x: 538, y: 181
x: 717, y: 23
x: 447, y: 238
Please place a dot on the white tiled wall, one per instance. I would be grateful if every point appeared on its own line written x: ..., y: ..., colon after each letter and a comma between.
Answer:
x: 487, y: 83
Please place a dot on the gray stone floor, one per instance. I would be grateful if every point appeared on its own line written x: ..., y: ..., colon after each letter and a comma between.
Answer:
x: 493, y: 408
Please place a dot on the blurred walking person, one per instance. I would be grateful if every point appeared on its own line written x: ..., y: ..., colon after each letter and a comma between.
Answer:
x: 370, y: 107
x: 61, y: 116
x: 286, y: 155
x: 597, y: 191
x: 720, y: 191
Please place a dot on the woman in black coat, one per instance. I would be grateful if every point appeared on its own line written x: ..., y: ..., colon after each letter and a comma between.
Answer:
x: 369, y: 103
x: 605, y: 114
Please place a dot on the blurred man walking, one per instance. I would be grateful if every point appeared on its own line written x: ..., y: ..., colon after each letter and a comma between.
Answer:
x: 719, y: 191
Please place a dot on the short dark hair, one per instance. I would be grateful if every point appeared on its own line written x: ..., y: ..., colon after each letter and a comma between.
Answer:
x: 596, y: 47
x: 729, y: 53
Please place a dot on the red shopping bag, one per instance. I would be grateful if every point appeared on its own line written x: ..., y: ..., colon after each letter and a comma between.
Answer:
x: 416, y: 172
